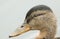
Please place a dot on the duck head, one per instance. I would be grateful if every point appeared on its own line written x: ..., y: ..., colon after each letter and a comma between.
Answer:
x: 36, y: 19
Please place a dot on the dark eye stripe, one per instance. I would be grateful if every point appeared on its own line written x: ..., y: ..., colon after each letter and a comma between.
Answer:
x: 28, y: 20
x: 38, y: 7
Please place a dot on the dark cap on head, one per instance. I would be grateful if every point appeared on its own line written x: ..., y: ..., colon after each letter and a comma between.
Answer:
x: 39, y: 7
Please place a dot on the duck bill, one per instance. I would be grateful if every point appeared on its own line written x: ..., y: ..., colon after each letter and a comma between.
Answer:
x: 20, y: 31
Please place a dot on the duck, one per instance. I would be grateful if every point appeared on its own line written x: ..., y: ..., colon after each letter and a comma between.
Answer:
x: 41, y: 18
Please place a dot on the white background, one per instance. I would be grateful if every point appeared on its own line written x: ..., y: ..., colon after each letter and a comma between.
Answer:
x: 13, y: 12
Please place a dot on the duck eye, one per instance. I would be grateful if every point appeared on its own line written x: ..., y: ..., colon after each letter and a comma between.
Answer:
x: 22, y: 26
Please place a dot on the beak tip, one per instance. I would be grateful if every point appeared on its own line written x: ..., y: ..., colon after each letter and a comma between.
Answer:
x: 10, y: 36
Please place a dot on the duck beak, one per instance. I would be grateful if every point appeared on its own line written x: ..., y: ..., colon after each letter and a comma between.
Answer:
x: 20, y: 30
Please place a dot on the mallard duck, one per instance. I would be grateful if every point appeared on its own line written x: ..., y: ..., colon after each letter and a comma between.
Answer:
x: 41, y: 18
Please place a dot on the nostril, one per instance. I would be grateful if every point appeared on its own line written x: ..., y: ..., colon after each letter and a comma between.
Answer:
x: 22, y: 26
x: 43, y: 38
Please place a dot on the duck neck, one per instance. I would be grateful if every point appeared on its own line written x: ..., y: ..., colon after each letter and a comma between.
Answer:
x: 44, y: 35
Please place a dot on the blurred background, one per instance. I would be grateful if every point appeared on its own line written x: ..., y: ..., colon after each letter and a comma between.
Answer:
x: 13, y: 12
